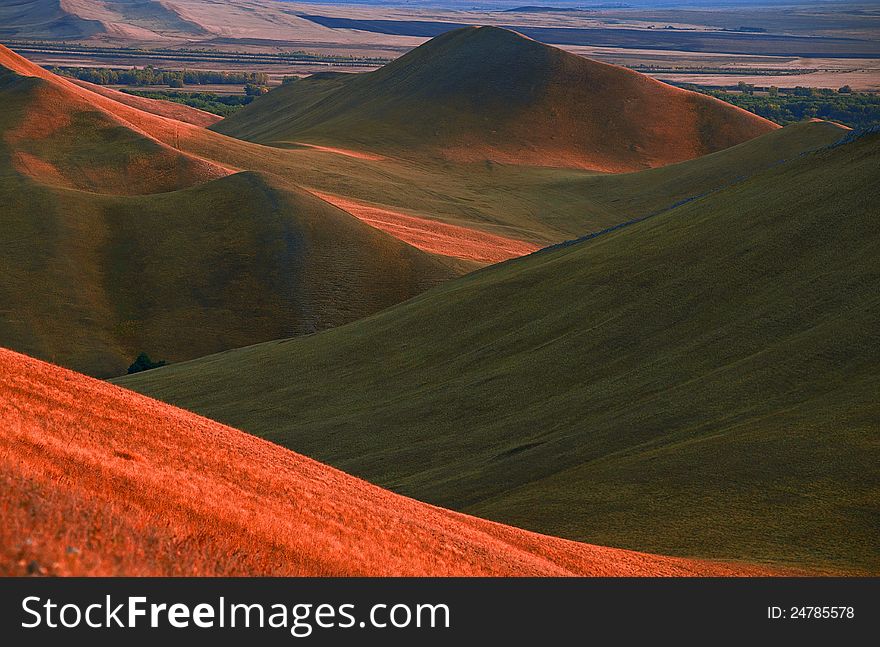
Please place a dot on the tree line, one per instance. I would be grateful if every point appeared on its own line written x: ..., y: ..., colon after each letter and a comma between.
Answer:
x: 784, y: 106
x: 150, y: 75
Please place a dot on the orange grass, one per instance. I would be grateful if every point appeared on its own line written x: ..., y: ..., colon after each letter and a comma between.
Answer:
x: 164, y: 131
x: 169, y: 109
x: 97, y: 480
x: 432, y: 236
x: 479, y: 94
x: 344, y: 151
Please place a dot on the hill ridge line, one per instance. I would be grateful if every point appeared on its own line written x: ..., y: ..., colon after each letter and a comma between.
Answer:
x: 846, y: 138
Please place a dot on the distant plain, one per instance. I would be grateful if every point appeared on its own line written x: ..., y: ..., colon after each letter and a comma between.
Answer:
x: 835, y: 43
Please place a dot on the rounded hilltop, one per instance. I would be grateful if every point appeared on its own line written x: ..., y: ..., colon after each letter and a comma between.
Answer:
x: 487, y: 93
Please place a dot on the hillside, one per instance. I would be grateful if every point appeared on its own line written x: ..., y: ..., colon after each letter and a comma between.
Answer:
x: 168, y: 109
x: 538, y: 205
x: 535, y: 205
x: 100, y: 481
x: 108, y: 206
x: 485, y: 93
x: 200, y: 23
x: 64, y: 134
x: 701, y: 383
x: 115, y: 242
x: 55, y: 137
x: 44, y: 19
x: 149, y: 20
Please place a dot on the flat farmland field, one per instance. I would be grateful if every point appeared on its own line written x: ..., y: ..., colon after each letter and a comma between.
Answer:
x: 820, y: 45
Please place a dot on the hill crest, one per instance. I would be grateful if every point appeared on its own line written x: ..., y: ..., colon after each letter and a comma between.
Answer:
x: 617, y: 390
x: 487, y: 93
x: 66, y: 135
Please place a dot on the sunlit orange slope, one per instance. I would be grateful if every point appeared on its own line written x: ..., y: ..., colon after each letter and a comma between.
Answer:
x: 96, y: 480
x: 61, y: 115
x: 169, y: 109
x: 433, y: 236
x: 147, y: 122
x: 481, y: 94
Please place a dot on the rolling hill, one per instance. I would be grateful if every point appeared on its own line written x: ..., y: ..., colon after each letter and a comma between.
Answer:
x: 532, y: 204
x: 116, y: 242
x: 57, y: 138
x: 483, y: 94
x: 108, y: 205
x: 44, y: 19
x: 168, y: 109
x: 535, y: 205
x: 63, y: 134
x: 700, y: 383
x: 97, y: 480
x: 147, y: 20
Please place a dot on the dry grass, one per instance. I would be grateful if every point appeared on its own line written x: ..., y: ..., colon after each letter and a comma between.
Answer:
x: 57, y: 102
x: 343, y: 151
x: 97, y: 480
x: 432, y: 236
x: 180, y: 112
x: 484, y: 93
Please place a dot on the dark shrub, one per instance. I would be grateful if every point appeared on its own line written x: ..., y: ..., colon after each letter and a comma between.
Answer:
x: 144, y: 363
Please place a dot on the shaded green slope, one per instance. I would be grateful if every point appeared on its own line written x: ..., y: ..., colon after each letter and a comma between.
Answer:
x: 700, y: 383
x: 114, y: 243
x: 574, y: 205
x: 92, y: 280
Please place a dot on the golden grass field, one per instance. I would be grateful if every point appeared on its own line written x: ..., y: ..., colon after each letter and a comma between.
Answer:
x: 98, y: 480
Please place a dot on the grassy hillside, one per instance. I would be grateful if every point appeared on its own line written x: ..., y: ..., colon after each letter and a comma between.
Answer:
x: 702, y: 383
x: 538, y: 205
x: 100, y: 481
x: 90, y: 281
x: 485, y: 93
x: 59, y: 138
x: 119, y: 274
x: 115, y: 242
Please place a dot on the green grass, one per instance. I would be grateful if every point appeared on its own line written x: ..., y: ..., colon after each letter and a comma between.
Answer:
x: 223, y: 105
x: 541, y: 205
x: 81, y: 147
x: 702, y: 383
x: 103, y: 314
x: 92, y: 278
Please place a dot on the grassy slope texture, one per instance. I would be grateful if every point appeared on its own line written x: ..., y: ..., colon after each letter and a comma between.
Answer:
x: 101, y: 481
x: 702, y: 383
x: 114, y: 242
x: 485, y: 93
